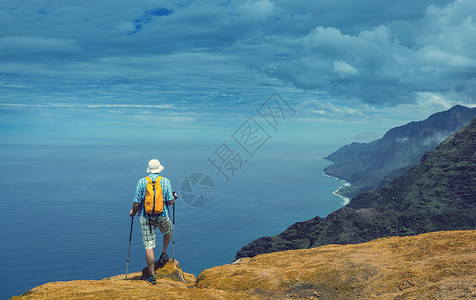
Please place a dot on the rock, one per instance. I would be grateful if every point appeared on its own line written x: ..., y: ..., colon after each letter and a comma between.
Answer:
x: 170, y: 270
x: 236, y: 261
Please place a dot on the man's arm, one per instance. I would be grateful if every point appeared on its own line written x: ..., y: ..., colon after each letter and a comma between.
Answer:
x: 168, y: 194
x: 135, y: 209
x: 137, y: 199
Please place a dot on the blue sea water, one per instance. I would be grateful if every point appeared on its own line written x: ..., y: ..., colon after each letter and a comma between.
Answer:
x: 65, y: 208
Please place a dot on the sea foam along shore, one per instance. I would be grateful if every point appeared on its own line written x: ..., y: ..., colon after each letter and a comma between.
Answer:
x: 345, y: 200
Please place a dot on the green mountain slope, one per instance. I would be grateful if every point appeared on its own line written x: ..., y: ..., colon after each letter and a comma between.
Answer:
x: 437, y: 194
x: 370, y: 165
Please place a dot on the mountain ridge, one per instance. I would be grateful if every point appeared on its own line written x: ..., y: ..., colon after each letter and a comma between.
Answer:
x: 374, y: 164
x: 437, y: 194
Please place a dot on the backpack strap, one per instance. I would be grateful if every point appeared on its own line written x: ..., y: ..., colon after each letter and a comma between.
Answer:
x: 149, y: 180
x: 158, y: 179
x: 165, y: 201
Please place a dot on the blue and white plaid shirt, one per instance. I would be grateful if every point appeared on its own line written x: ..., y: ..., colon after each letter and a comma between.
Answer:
x: 166, y: 192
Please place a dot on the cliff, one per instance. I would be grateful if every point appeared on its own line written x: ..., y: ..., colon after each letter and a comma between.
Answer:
x: 439, y: 265
x: 437, y: 194
x: 374, y: 164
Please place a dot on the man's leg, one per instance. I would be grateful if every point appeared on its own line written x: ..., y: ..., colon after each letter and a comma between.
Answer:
x: 165, y: 227
x: 150, y: 259
x: 167, y: 238
x: 148, y: 237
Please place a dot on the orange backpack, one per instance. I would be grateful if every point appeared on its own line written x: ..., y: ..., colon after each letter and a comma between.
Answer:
x: 154, y: 199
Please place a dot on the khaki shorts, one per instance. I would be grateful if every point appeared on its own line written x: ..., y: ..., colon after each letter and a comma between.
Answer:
x: 149, y: 229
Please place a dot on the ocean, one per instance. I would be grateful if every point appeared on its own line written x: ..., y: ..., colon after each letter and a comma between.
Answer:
x: 65, y: 207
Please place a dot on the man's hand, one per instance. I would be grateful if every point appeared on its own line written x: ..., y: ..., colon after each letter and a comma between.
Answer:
x: 135, y: 208
x: 175, y: 198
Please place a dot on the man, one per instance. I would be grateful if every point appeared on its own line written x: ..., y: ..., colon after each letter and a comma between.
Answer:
x: 149, y: 222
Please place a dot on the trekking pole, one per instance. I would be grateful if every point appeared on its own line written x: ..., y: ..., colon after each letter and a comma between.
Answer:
x: 129, y: 252
x: 173, y: 229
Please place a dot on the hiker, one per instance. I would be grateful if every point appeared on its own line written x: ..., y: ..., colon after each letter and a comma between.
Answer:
x: 149, y: 221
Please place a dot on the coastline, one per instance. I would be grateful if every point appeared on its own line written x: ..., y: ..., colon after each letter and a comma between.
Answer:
x: 345, y: 183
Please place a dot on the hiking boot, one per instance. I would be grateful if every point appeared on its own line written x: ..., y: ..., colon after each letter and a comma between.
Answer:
x: 164, y: 258
x: 151, y: 279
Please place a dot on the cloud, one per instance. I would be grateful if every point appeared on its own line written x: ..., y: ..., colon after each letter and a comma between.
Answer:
x: 376, y: 67
x: 31, y: 44
x: 257, y: 10
x: 87, y: 106
x: 402, y: 140
x: 344, y: 70
x: 432, y: 56
x: 160, y: 106
x: 148, y: 16
x: 222, y: 58
x: 368, y: 66
x: 327, y: 110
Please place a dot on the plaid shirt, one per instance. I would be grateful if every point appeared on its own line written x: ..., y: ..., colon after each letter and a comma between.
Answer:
x: 140, y: 194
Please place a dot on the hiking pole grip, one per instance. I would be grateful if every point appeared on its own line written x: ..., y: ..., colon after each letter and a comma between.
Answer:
x: 130, y: 240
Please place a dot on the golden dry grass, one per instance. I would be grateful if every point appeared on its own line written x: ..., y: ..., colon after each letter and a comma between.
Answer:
x: 438, y: 265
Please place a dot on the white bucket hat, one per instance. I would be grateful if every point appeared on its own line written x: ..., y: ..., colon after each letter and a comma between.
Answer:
x: 154, y: 166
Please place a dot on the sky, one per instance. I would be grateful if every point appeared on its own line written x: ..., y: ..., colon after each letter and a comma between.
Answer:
x: 95, y: 71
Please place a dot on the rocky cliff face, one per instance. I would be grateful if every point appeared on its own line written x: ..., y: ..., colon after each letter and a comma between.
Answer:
x: 437, y: 194
x: 366, y: 165
x: 438, y: 265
